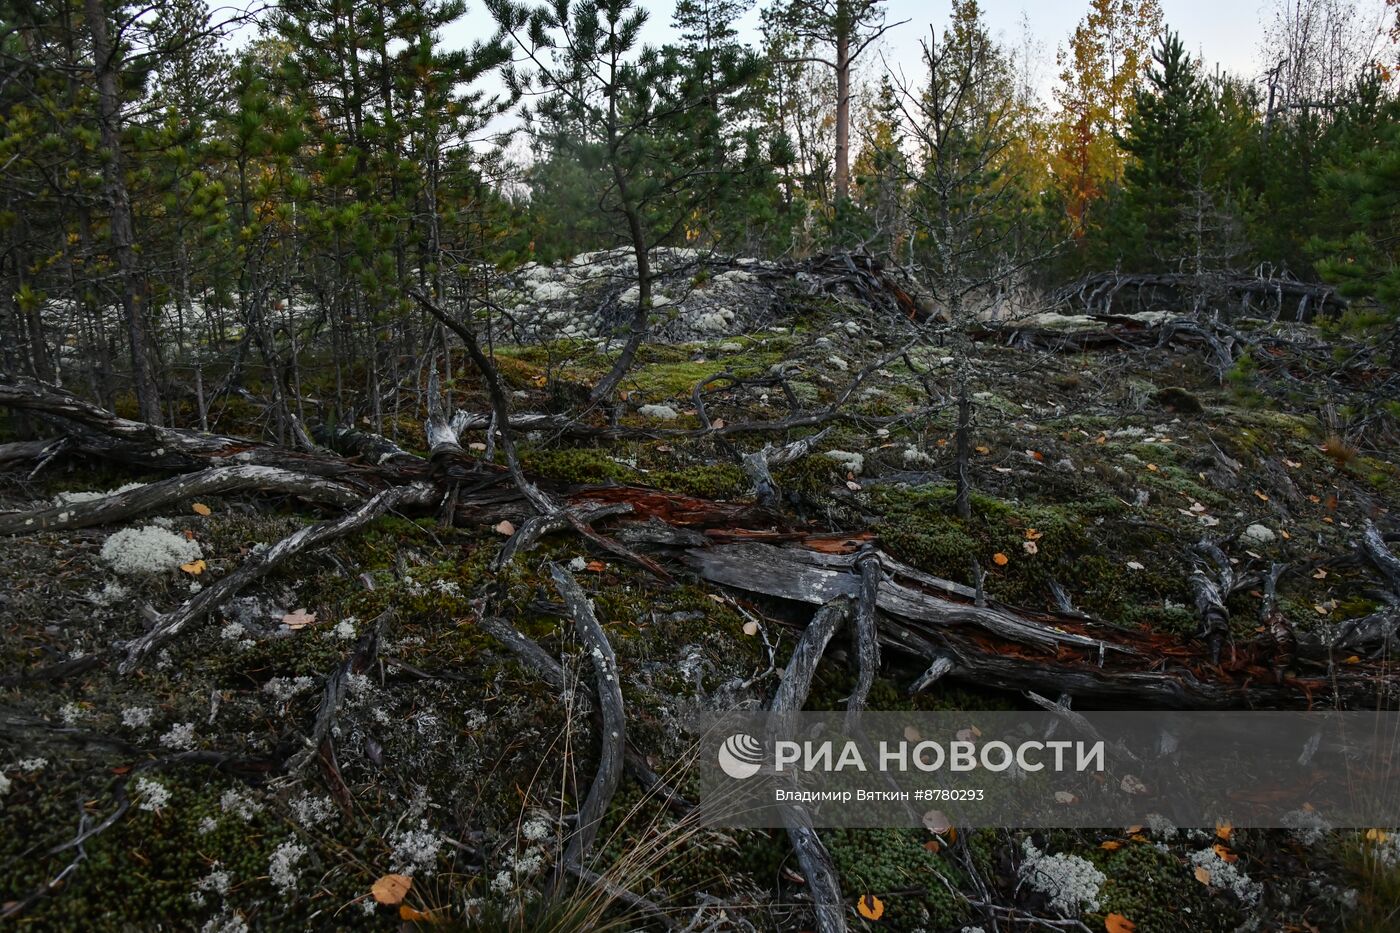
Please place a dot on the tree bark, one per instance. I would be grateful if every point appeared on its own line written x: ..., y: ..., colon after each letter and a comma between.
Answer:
x: 105, y: 72
x: 843, y: 103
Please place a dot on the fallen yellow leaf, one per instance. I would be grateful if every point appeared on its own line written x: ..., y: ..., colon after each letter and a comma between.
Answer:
x: 1224, y: 830
x: 1110, y: 845
x: 1202, y: 875
x: 1117, y: 923
x: 870, y: 907
x: 195, y: 567
x: 1000, y: 559
x: 391, y: 889
x: 201, y: 509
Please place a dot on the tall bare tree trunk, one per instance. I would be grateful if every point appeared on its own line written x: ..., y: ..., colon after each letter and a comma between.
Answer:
x: 104, y: 70
x: 843, y: 108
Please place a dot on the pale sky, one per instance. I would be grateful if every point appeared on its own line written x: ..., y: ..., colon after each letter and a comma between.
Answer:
x: 1226, y: 33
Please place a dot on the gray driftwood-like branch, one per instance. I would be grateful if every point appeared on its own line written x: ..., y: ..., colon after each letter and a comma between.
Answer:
x: 823, y: 884
x: 1381, y: 557
x: 258, y: 565
x: 214, y: 481
x: 866, y: 633
x: 613, y: 735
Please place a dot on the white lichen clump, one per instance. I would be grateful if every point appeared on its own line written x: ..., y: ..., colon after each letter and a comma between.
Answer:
x: 216, y: 882
x: 1071, y: 883
x: 312, y: 811
x: 153, y: 794
x: 110, y: 594
x: 851, y: 461
x: 659, y: 412
x: 282, y: 867
x: 416, y: 850
x: 226, y: 923
x: 240, y: 804
x: 137, y: 717
x: 283, y: 689
x: 180, y: 736
x: 1308, y: 826
x: 73, y: 498
x: 148, y: 550
x: 1226, y: 876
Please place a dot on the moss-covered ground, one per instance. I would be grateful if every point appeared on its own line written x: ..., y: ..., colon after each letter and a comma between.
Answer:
x: 1096, y: 472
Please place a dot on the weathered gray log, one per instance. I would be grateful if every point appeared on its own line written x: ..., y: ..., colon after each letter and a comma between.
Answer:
x: 757, y: 465
x: 866, y: 631
x: 258, y: 565
x: 1114, y: 668
x: 537, y: 526
x: 613, y: 736
x: 214, y: 481
x: 793, y: 573
x: 816, y: 863
x: 18, y: 451
x: 92, y: 429
x: 372, y: 448
x: 1381, y: 557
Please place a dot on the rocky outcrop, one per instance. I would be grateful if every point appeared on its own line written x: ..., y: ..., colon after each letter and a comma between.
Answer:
x: 695, y: 296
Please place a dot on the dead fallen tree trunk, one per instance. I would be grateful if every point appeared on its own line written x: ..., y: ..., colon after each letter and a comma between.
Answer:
x: 1000, y: 647
x: 1101, y: 292
x: 215, y: 481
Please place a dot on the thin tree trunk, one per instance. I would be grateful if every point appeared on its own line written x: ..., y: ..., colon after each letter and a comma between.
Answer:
x: 843, y: 112
x: 122, y: 236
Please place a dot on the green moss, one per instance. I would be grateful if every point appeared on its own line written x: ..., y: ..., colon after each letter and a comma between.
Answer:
x: 1070, y: 543
x: 894, y: 865
x: 718, y: 481
x: 577, y: 466
x: 1155, y: 891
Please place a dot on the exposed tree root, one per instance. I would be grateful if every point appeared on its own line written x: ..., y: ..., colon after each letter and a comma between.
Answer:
x: 613, y: 735
x: 818, y: 869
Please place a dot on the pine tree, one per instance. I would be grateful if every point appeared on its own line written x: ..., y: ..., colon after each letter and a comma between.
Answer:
x: 633, y: 118
x: 846, y: 29
x: 1167, y: 140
